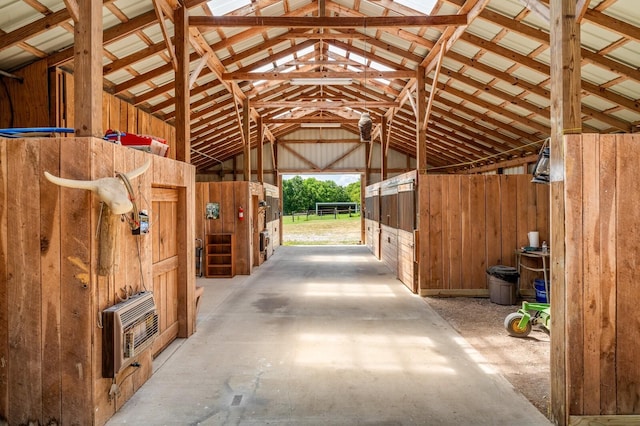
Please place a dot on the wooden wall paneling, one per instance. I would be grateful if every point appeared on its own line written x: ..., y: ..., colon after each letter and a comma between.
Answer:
x: 186, y: 285
x: 608, y: 272
x: 50, y: 274
x: 628, y: 274
x: 493, y: 215
x: 229, y: 203
x: 455, y: 232
x: 543, y: 212
x: 216, y: 226
x: 467, y: 236
x: 405, y: 259
x: 509, y: 218
x: 591, y: 255
x: 4, y: 291
x: 478, y: 232
x: 23, y: 284
x: 200, y: 210
x: 102, y: 165
x: 242, y: 232
x: 446, y: 232
x: 436, y: 278
x: 574, y: 309
x: 30, y: 98
x: 77, y: 315
x: 70, y: 110
x: 106, y: 110
x: 132, y: 118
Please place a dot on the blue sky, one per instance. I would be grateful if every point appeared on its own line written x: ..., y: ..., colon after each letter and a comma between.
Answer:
x: 340, y: 179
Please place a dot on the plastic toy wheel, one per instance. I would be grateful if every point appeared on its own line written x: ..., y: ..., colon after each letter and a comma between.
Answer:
x: 511, y: 323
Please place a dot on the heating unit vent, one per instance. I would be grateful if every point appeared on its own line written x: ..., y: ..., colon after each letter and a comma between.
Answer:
x: 128, y: 329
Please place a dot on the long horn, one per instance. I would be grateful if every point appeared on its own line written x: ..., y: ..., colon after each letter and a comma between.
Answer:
x: 140, y: 170
x: 71, y: 183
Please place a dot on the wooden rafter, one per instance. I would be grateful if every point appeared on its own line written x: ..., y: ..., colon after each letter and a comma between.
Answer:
x: 328, y: 22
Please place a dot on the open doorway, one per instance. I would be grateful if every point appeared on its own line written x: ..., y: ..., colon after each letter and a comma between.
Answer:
x: 321, y: 209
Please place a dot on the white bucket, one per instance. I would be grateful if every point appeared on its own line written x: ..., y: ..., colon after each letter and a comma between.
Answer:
x: 534, y: 239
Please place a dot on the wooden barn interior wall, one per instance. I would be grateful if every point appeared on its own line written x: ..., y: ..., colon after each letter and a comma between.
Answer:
x: 50, y: 337
x: 597, y: 308
x: 45, y: 98
x: 454, y: 227
x: 231, y: 196
x: 273, y: 216
x: 474, y: 222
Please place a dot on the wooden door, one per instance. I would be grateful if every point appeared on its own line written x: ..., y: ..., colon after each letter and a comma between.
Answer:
x: 164, y: 234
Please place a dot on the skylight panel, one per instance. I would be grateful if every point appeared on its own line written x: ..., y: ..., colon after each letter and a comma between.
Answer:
x: 264, y: 68
x: 422, y: 6
x: 379, y: 67
x: 222, y: 7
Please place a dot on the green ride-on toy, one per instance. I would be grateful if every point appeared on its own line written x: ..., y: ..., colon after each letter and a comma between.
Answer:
x: 519, y: 324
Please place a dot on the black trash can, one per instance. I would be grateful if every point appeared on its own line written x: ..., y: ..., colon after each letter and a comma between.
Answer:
x: 503, y: 282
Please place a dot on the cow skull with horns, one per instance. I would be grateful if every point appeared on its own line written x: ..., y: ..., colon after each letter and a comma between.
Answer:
x: 114, y: 193
x: 111, y: 190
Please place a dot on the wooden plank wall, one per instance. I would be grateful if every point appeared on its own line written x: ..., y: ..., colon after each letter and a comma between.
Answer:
x: 475, y: 222
x: 50, y: 338
x: 230, y: 195
x: 602, y: 273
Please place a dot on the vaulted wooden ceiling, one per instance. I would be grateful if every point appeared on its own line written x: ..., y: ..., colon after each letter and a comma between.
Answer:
x: 491, y: 101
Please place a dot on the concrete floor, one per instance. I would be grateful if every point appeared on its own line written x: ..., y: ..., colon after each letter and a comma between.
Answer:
x: 322, y: 335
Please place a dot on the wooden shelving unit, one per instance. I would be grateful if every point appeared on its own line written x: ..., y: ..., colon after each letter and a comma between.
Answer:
x: 219, y: 256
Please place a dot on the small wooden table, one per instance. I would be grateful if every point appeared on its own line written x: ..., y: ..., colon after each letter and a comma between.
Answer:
x: 540, y: 255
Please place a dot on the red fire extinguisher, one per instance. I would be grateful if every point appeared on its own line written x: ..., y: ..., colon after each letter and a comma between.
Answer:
x: 240, y: 213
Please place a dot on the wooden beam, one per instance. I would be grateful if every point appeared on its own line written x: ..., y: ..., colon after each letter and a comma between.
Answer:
x: 88, y: 70
x: 247, y: 140
x: 434, y: 88
x: 421, y: 154
x: 198, y: 69
x: 358, y: 75
x: 318, y: 105
x: 328, y: 22
x: 260, y: 138
x: 183, y: 98
x: 384, y: 141
x: 565, y: 118
x: 165, y: 33
x: 72, y: 7
x: 581, y: 9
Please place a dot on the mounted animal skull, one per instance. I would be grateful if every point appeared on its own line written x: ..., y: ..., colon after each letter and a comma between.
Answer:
x: 110, y: 190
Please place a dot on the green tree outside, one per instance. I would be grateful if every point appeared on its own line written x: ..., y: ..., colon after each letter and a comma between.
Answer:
x: 299, y: 195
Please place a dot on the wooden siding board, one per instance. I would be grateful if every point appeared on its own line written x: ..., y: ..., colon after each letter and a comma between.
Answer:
x: 607, y: 325
x: 591, y: 273
x: 509, y: 219
x: 24, y: 296
x: 493, y: 219
x: 574, y: 276
x: 608, y: 197
x: 229, y: 202
x: 455, y: 232
x: 628, y: 274
x: 436, y: 278
x: 77, y: 292
x: 50, y: 273
x: 446, y: 232
x: 467, y: 236
x: 478, y: 233
x: 4, y: 291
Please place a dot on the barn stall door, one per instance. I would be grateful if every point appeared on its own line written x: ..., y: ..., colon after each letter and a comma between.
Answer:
x: 164, y: 234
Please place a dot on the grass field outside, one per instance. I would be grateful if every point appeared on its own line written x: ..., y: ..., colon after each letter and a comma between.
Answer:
x: 321, y: 230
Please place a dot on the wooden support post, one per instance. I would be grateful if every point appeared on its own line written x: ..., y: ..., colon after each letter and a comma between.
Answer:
x: 260, y: 137
x: 108, y: 242
x: 247, y: 140
x: 183, y: 101
x: 565, y: 118
x: 383, y: 149
x: 421, y: 136
x: 88, y: 69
